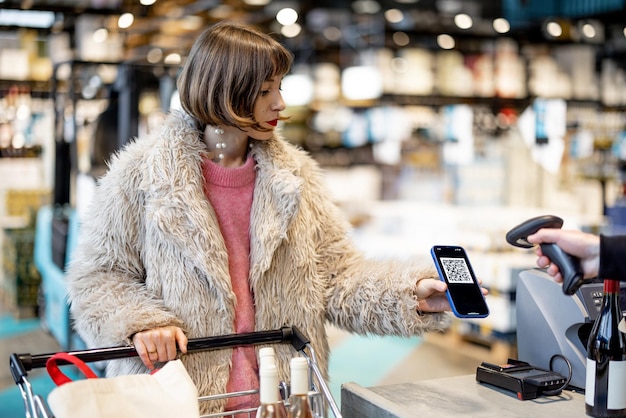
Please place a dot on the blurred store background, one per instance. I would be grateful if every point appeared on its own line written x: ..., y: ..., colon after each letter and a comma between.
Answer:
x: 438, y: 122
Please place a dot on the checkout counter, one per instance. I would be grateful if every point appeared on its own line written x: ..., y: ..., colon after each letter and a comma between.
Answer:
x: 548, y: 323
x: 453, y: 397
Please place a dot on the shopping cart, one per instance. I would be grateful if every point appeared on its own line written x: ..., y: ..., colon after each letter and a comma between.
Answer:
x: 321, y: 397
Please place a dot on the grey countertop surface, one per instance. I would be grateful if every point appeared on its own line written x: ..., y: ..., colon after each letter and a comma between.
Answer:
x: 453, y: 397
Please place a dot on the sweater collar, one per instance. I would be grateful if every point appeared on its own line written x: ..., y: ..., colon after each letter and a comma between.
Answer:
x: 229, y: 177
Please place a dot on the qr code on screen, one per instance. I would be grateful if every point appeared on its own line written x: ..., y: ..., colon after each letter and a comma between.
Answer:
x: 456, y: 270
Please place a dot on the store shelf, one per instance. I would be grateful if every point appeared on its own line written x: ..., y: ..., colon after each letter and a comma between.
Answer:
x: 37, y: 88
x: 440, y: 100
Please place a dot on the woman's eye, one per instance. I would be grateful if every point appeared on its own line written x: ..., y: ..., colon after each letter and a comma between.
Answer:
x: 265, y: 92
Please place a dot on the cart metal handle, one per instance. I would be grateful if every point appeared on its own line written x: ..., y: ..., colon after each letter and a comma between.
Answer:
x: 20, y: 364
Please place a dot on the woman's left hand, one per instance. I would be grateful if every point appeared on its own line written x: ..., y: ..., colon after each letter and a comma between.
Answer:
x: 431, y: 295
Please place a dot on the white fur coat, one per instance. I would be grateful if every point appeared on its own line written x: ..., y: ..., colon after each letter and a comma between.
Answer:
x: 150, y: 254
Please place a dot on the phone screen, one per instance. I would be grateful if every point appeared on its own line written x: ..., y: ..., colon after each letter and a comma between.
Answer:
x: 464, y: 293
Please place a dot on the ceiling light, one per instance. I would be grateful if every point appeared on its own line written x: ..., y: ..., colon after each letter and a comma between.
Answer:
x: 554, y: 29
x: 147, y: 2
x: 256, y: 2
x: 589, y: 31
x: 287, y: 16
x: 394, y: 15
x: 172, y: 59
x: 154, y: 55
x: 501, y: 25
x: 291, y: 31
x: 463, y: 21
x: 445, y: 41
x: 125, y: 20
x: 400, y: 38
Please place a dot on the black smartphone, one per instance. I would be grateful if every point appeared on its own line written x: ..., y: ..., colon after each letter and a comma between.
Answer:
x: 464, y: 293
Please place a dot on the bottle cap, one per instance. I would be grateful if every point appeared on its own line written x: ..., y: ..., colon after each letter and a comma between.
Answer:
x: 299, y: 376
x: 268, y: 384
x: 267, y: 356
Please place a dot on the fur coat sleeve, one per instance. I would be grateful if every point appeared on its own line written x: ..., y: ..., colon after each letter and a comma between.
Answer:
x: 363, y: 295
x: 110, y: 299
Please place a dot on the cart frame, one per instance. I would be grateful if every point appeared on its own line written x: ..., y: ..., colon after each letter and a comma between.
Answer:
x: 36, y: 407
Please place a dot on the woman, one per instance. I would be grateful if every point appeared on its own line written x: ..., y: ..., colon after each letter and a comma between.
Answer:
x: 217, y: 225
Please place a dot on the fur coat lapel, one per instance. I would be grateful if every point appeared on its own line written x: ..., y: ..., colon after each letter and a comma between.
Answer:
x: 277, y: 195
x: 177, y: 206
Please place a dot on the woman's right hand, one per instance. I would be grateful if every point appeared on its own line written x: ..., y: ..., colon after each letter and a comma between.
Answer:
x: 159, y: 344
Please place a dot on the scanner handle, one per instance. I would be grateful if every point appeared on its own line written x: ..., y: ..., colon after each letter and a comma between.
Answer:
x: 568, y: 265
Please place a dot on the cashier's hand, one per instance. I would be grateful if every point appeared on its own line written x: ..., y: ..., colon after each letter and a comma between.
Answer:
x: 159, y: 344
x: 580, y: 244
x: 431, y: 295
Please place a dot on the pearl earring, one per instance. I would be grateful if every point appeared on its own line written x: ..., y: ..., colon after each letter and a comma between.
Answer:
x: 221, y: 145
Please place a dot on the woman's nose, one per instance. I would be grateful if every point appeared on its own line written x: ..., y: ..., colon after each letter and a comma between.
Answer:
x: 278, y: 103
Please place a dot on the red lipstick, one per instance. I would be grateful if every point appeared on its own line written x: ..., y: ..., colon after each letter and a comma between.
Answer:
x: 273, y: 122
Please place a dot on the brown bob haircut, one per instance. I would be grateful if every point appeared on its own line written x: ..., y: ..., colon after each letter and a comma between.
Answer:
x: 224, y: 73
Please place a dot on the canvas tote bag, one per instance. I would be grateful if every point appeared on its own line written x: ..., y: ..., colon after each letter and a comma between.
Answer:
x: 168, y: 392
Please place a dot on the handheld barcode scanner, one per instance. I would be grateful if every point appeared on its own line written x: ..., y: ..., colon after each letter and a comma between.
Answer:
x: 568, y: 265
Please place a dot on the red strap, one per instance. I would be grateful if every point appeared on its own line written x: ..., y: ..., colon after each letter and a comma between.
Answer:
x: 58, y: 377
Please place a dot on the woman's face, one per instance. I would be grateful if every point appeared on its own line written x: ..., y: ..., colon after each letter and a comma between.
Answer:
x: 267, y: 107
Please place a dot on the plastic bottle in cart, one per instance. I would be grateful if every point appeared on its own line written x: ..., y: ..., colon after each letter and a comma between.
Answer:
x: 271, y: 404
x: 299, y: 406
x: 605, y: 389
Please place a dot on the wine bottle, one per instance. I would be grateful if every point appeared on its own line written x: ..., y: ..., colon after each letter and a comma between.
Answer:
x: 605, y: 390
x: 271, y: 404
x: 299, y: 406
x: 267, y: 356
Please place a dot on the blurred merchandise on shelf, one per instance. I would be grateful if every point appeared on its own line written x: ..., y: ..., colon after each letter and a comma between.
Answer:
x: 25, y: 203
x: 23, y: 121
x: 24, y: 56
x: 21, y: 279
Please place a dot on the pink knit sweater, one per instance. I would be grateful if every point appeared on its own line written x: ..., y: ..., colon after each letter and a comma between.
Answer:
x: 230, y: 192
